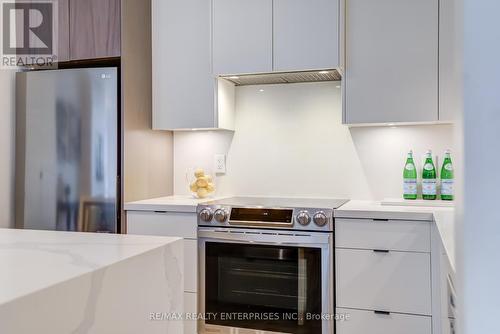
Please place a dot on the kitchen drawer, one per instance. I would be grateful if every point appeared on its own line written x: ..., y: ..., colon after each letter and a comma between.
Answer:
x: 172, y: 224
x: 401, y: 235
x: 190, y: 308
x: 393, y: 281
x: 368, y: 322
x: 190, y: 265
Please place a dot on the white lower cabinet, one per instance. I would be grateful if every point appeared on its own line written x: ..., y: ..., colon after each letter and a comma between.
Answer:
x: 383, y: 276
x: 369, y: 322
x: 399, y: 235
x: 190, y: 265
x: 174, y: 224
x: 447, y: 292
x: 190, y: 309
x: 385, y: 281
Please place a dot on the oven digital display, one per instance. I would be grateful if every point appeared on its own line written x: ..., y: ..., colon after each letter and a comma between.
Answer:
x: 261, y: 215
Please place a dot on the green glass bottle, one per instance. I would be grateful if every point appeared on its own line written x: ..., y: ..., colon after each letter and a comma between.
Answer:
x: 429, y: 189
x: 410, y: 178
x: 447, y: 178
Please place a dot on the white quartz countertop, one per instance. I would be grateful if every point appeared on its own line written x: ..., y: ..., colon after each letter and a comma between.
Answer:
x: 170, y: 203
x: 445, y: 221
x: 375, y: 210
x: 31, y: 261
x: 444, y: 218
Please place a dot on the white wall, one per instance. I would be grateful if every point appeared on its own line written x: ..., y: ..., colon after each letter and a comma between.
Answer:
x: 289, y: 141
x: 7, y: 123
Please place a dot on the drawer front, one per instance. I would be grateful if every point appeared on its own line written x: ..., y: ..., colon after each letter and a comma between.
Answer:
x: 190, y: 307
x: 368, y: 322
x: 190, y: 265
x: 172, y: 224
x: 393, y: 281
x: 412, y: 236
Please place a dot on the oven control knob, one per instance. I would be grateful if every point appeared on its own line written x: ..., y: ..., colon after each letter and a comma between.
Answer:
x: 303, y: 218
x: 320, y: 219
x: 206, y: 215
x: 221, y: 215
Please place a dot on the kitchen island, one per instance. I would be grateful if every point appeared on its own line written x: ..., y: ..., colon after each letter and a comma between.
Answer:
x: 66, y: 282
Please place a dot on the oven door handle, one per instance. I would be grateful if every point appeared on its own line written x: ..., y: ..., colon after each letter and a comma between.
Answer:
x: 250, y: 236
x: 298, y: 244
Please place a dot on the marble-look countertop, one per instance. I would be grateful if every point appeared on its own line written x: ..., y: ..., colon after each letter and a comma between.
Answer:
x: 444, y: 217
x: 67, y: 282
x: 177, y: 203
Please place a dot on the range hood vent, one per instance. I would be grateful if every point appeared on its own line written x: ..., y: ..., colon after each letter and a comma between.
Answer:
x: 283, y: 78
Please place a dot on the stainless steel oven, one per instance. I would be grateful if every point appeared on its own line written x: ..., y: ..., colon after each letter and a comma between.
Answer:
x: 266, y: 269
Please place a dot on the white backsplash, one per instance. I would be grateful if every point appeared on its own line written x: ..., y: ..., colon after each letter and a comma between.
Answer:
x: 290, y: 141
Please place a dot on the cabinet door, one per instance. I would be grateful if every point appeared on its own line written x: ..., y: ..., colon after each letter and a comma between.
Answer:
x: 242, y: 36
x: 63, y: 30
x: 190, y: 265
x: 172, y: 224
x: 449, y: 73
x: 94, y: 29
x: 183, y: 84
x: 305, y: 34
x: 190, y: 307
x: 391, y: 61
x: 384, y: 281
x: 369, y: 322
x: 399, y: 235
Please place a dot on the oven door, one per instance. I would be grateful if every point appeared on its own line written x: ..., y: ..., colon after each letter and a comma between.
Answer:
x: 254, y: 281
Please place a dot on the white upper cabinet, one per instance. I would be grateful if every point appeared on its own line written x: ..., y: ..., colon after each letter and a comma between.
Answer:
x: 306, y: 34
x: 194, y: 42
x: 391, y: 70
x: 242, y: 36
x: 185, y: 91
x: 264, y: 36
x: 449, y: 68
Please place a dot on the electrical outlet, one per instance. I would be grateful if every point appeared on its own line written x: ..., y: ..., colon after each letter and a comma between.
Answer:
x: 220, y: 163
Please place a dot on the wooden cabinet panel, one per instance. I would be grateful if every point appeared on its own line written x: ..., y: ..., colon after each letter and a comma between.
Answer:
x: 391, y: 72
x: 94, y: 29
x: 306, y: 34
x: 63, y: 30
x: 242, y: 36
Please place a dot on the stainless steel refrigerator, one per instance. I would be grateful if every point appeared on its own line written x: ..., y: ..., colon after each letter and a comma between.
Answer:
x: 68, y: 150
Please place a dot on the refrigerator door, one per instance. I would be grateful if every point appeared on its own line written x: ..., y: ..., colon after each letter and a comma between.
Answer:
x: 67, y: 150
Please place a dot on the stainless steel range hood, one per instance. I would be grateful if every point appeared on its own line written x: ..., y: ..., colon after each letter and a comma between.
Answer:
x: 283, y: 78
